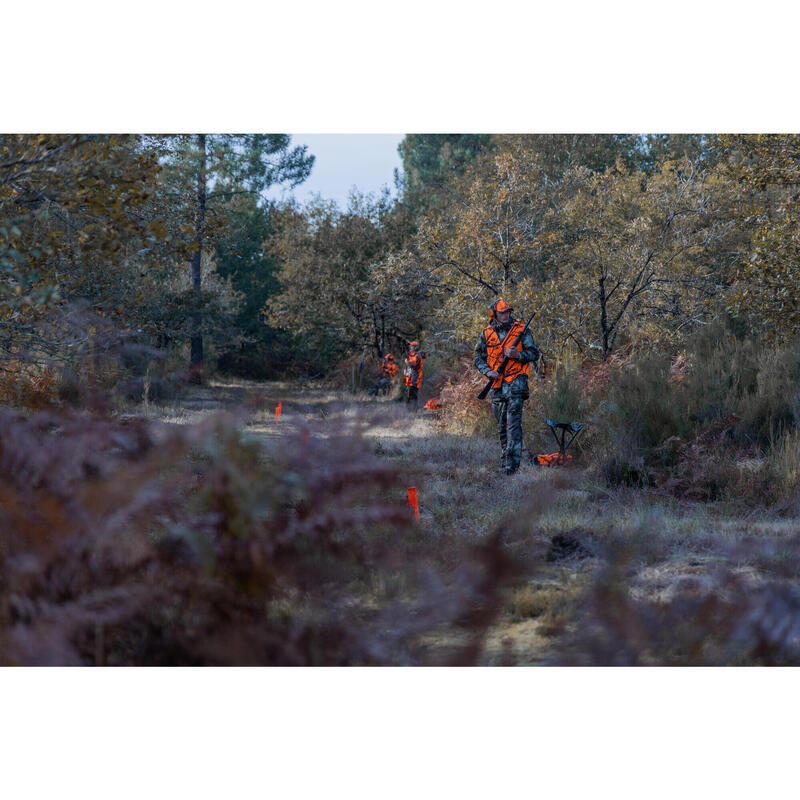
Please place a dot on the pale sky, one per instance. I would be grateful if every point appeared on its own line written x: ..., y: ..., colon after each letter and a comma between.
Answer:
x: 344, y: 160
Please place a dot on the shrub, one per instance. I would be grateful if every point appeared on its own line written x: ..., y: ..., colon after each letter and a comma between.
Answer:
x: 28, y: 385
x: 595, y: 375
x: 462, y: 411
x: 770, y: 407
x: 150, y: 388
x: 133, y: 542
x: 685, y: 420
x: 642, y: 401
x: 616, y: 471
x: 744, y: 612
x: 754, y: 381
x: 560, y: 397
x: 355, y: 374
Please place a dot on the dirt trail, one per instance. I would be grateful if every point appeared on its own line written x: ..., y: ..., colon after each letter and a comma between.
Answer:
x: 461, y: 492
x: 464, y: 496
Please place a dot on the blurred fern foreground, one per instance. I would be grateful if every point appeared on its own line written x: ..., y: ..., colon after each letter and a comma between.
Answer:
x: 193, y: 470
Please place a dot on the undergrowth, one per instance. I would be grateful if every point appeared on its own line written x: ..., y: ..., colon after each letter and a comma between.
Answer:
x: 131, y: 542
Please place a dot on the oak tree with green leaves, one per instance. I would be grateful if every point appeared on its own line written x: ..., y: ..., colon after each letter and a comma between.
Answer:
x: 596, y: 253
x: 329, y: 296
x: 766, y: 169
x: 72, y: 223
x: 642, y: 254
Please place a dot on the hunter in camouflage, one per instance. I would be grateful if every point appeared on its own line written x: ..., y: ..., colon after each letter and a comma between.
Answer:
x: 510, y: 390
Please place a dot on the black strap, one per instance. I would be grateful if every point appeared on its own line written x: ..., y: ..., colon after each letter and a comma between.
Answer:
x: 505, y: 338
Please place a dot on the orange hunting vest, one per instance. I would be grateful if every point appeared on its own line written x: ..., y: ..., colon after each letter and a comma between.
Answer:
x: 389, y: 367
x: 495, y: 348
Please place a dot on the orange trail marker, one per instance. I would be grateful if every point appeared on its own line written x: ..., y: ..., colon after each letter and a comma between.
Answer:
x: 412, y: 500
x: 278, y: 410
x: 306, y: 437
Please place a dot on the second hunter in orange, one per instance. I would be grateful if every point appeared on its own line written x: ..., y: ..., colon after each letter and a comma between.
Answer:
x: 412, y: 376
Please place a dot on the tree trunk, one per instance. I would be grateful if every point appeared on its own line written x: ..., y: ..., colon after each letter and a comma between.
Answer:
x: 604, y: 331
x: 196, y: 358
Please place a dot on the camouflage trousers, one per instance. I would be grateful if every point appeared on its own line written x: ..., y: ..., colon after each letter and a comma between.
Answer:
x: 508, y: 413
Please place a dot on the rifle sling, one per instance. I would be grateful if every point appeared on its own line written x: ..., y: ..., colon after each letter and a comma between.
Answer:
x: 503, y: 347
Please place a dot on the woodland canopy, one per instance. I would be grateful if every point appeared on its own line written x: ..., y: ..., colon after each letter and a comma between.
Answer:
x: 170, y: 241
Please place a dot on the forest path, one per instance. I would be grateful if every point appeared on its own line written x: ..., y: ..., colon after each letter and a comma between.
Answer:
x: 462, y: 493
x: 558, y: 513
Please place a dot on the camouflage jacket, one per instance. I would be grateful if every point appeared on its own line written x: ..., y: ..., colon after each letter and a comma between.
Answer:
x: 530, y: 353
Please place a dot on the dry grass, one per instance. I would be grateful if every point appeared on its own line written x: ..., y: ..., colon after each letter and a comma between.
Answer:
x: 463, y: 496
x: 582, y: 552
x: 220, y: 542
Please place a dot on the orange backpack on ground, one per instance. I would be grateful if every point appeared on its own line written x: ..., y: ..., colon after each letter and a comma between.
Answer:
x: 561, y: 457
x: 551, y: 459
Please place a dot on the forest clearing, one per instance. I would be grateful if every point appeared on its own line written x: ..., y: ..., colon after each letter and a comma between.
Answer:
x: 217, y: 409
x: 546, y: 566
x: 399, y: 401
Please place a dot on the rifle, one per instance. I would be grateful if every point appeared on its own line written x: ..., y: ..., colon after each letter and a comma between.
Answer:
x: 505, y: 361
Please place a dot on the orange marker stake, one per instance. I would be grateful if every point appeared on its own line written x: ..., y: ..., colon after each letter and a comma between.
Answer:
x: 412, y: 500
x: 278, y: 410
x: 306, y: 437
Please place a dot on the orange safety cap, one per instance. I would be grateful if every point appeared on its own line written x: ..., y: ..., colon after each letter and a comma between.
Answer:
x: 499, y: 306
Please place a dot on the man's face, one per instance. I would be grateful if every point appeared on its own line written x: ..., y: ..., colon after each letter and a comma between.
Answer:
x: 502, y: 317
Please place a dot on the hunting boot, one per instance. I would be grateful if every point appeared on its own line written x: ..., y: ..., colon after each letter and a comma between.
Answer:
x: 513, y: 456
x: 504, y: 459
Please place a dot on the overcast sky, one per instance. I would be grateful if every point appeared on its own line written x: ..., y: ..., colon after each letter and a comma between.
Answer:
x: 344, y: 160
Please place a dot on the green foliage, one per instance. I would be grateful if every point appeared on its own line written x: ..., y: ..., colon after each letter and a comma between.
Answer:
x: 430, y: 160
x: 561, y: 152
x: 71, y: 223
x: 749, y: 379
x: 644, y: 255
x: 643, y: 404
x: 767, y: 171
x: 109, y: 225
x: 214, y: 185
x: 560, y: 398
x: 725, y: 395
x: 235, y: 164
x: 654, y: 148
x: 242, y: 255
x: 605, y: 255
x: 492, y: 238
x: 613, y: 238
x: 328, y: 297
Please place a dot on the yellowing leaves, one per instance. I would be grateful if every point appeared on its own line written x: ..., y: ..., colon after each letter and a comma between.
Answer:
x: 159, y: 228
